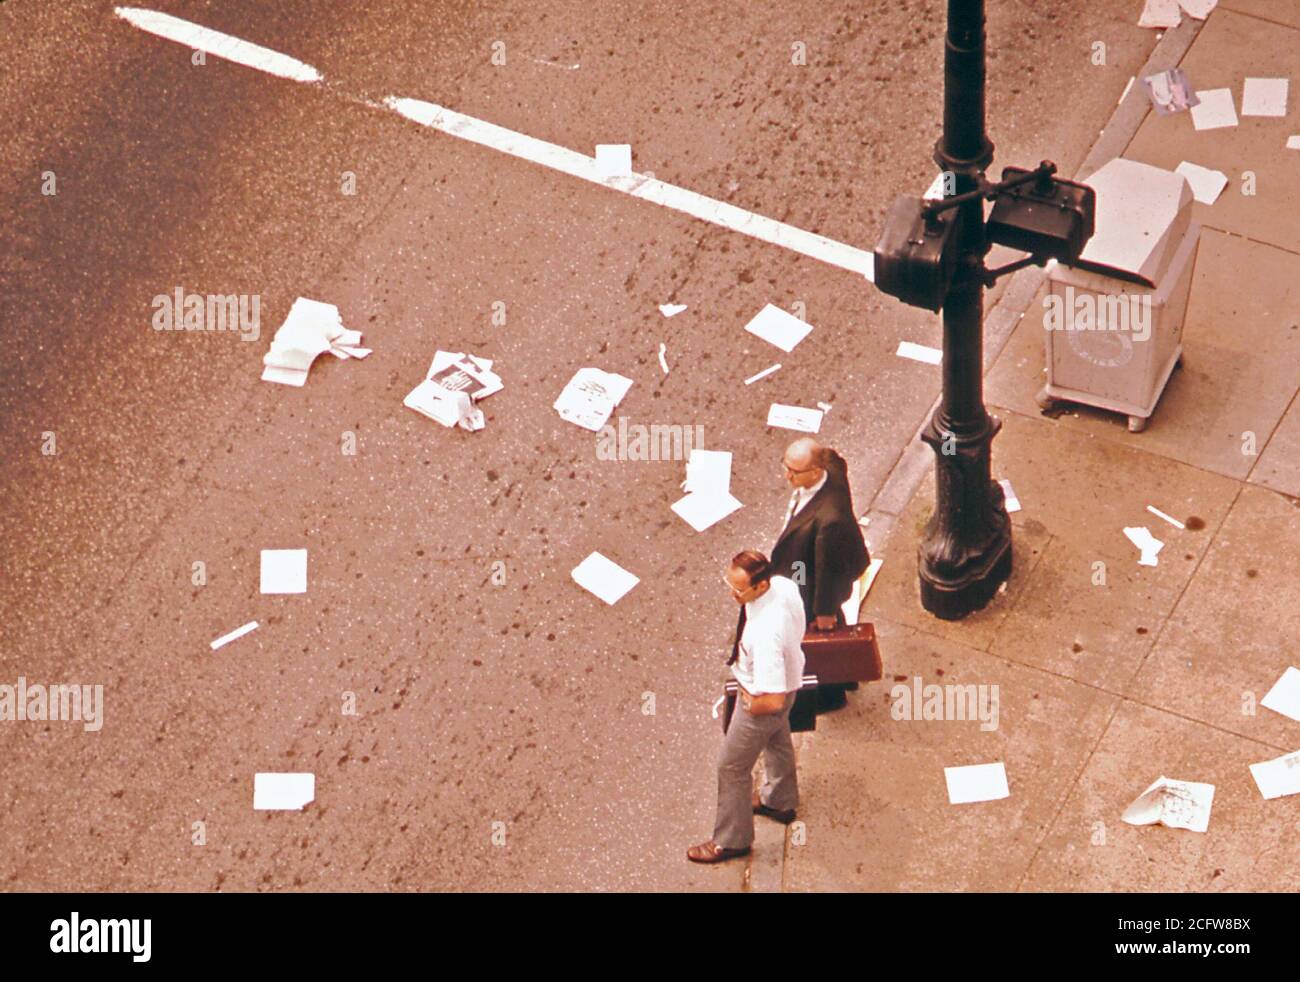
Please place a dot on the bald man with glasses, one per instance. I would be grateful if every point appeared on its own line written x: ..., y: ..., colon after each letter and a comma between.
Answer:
x: 820, y: 546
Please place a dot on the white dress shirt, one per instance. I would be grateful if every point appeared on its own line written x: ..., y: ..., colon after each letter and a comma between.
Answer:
x: 770, y: 657
x: 801, y: 497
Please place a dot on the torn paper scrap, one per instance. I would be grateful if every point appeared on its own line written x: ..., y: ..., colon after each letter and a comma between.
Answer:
x: 663, y: 360
x: 603, y: 577
x: 613, y: 160
x: 310, y: 329
x: 1279, y: 777
x: 671, y: 309
x: 1293, y: 142
x: 1009, y: 494
x: 1264, y: 97
x: 284, y: 571
x: 590, y: 397
x: 1160, y: 13
x: 1168, y: 518
x: 763, y: 374
x: 776, y: 326
x: 1284, y: 697
x: 1147, y: 544
x: 448, y: 408
x: 1170, y: 91
x: 861, y: 587
x: 825, y: 407
x: 976, y: 782
x: 1175, y: 804
x: 456, y: 372
x: 1206, y: 184
x: 1199, y: 9
x: 1215, y: 110
x: 708, y: 470
x: 238, y: 632
x: 283, y: 791
x: 794, y: 418
x: 919, y: 352
x: 704, y: 509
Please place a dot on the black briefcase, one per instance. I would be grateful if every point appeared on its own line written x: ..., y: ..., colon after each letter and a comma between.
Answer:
x: 803, y: 714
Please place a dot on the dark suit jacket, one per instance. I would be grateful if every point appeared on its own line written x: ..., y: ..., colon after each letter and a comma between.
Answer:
x: 826, y: 538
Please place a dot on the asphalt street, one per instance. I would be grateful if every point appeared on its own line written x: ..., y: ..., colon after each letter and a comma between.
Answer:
x: 521, y: 703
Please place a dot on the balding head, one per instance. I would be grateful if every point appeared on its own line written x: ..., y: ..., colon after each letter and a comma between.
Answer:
x: 805, y: 462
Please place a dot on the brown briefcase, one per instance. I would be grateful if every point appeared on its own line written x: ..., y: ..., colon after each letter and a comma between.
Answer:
x: 846, y: 654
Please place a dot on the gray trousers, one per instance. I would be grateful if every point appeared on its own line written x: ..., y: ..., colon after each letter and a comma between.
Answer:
x: 747, y: 737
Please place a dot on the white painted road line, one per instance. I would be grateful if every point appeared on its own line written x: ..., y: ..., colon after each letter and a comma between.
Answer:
x: 515, y: 144
x: 222, y: 45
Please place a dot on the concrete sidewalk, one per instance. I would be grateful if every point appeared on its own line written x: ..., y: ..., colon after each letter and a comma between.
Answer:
x: 1109, y: 674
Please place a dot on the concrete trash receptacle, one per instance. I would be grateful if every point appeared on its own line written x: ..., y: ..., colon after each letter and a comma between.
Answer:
x: 1114, y: 319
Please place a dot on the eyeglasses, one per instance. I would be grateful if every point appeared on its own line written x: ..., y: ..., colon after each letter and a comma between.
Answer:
x: 791, y: 470
x: 737, y: 593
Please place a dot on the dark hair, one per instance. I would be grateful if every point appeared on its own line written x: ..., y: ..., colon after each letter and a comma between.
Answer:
x: 755, y: 565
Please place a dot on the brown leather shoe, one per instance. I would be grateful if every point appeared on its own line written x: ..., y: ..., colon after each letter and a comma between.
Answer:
x: 711, y: 852
x: 784, y: 817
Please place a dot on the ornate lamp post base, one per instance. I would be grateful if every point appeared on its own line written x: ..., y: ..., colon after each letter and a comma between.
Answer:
x: 966, y: 552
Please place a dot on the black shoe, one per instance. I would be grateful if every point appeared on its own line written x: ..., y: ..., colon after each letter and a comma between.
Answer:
x: 831, y: 697
x: 784, y: 817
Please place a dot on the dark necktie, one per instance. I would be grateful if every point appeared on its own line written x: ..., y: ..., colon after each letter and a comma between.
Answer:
x: 740, y: 627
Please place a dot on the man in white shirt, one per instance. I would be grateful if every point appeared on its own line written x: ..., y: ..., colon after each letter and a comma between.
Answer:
x: 767, y: 662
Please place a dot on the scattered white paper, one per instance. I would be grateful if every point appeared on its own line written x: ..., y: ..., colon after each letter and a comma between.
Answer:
x: 604, y: 577
x: 1147, y: 544
x: 671, y: 309
x: 708, y: 470
x: 1264, y: 97
x: 284, y: 571
x: 1293, y: 142
x: 590, y: 397
x: 238, y: 632
x: 1160, y: 13
x: 663, y: 360
x: 794, y: 418
x: 704, y: 509
x: 1174, y: 804
x: 613, y: 160
x: 1013, y: 503
x: 1284, y: 697
x: 919, y: 352
x: 1170, y: 91
x: 976, y: 782
x: 778, y: 327
x: 1279, y: 777
x: 1200, y: 9
x: 310, y: 329
x: 1206, y: 184
x: 1168, y: 518
x: 763, y: 374
x: 1215, y: 110
x: 443, y: 406
x: 283, y: 792
x: 861, y: 587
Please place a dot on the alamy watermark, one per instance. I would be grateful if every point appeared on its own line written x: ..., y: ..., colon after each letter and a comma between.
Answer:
x: 949, y: 701
x: 657, y: 441
x: 181, y: 311
x: 1129, y: 313
x: 81, y: 703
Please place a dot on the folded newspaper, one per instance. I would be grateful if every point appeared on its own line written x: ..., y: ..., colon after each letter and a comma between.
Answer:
x: 311, y: 329
x: 454, y: 383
